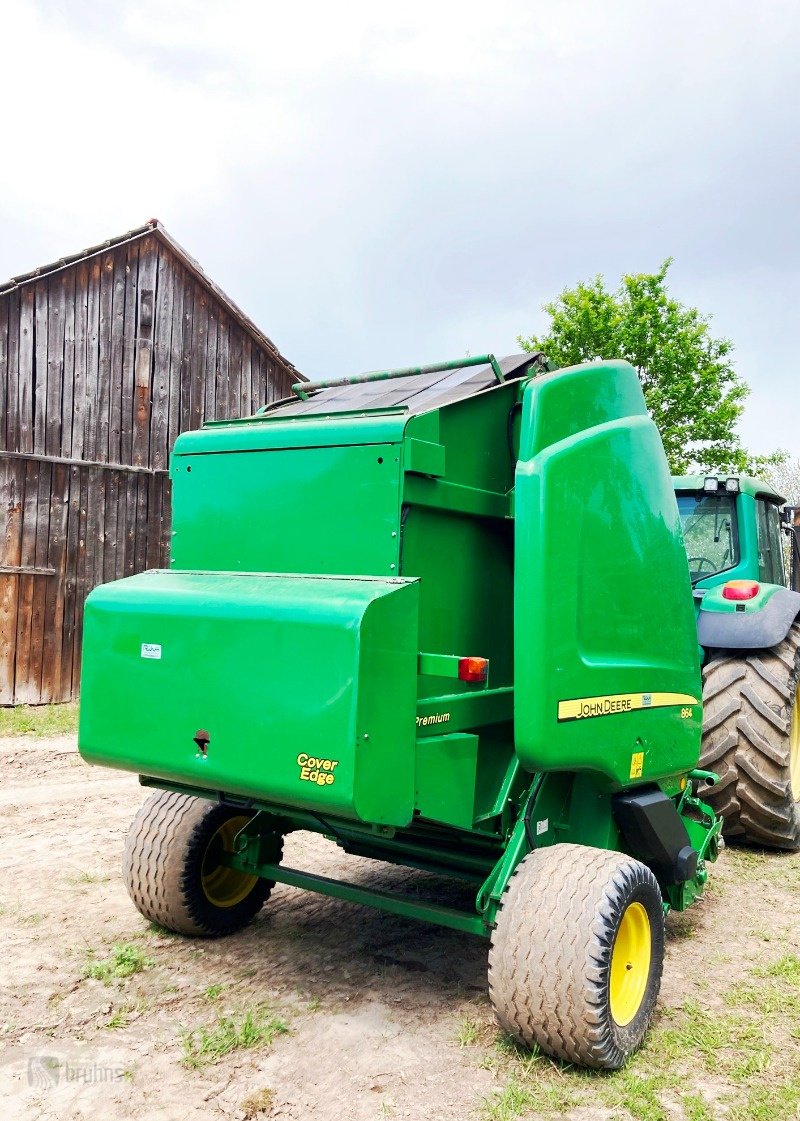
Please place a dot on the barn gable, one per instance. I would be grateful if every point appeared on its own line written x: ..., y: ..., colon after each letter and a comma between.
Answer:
x: 104, y: 358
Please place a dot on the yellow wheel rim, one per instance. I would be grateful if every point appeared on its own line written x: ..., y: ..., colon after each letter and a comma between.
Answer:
x: 225, y: 887
x: 794, y: 747
x: 630, y: 964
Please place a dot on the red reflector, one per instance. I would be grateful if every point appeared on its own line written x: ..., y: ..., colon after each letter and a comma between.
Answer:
x: 740, y: 589
x: 472, y: 669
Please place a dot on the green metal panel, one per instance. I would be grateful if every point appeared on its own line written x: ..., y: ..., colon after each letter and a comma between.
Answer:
x: 288, y: 675
x: 747, y: 485
x: 606, y: 662
x: 331, y: 510
x: 446, y: 771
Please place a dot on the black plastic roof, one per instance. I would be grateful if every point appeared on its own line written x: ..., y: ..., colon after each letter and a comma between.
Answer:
x: 416, y: 394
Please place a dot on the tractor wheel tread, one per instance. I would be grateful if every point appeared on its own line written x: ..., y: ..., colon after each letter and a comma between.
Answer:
x: 747, y: 742
x: 548, y: 962
x: 163, y: 855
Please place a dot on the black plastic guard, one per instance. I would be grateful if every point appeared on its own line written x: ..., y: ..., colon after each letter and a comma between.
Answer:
x: 655, y: 834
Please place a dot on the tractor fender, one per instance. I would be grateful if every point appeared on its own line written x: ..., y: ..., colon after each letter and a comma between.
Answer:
x: 749, y: 630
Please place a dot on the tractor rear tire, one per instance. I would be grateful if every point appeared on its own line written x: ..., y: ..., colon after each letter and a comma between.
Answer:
x: 577, y: 953
x: 173, y: 872
x: 751, y: 738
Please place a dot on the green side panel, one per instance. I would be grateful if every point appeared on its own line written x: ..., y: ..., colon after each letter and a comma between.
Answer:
x: 331, y: 510
x: 465, y: 568
x: 290, y: 677
x: 607, y: 674
x: 445, y: 777
x: 260, y: 433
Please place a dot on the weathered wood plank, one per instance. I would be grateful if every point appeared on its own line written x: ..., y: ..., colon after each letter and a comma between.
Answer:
x: 246, y: 390
x: 148, y: 263
x: 175, y: 353
x: 117, y: 355
x: 23, y: 694
x: 91, y: 442
x: 12, y: 476
x: 129, y: 354
x: 70, y: 582
x: 40, y: 586
x: 9, y: 427
x: 235, y: 383
x: 82, y: 585
x: 68, y: 374
x: 197, y: 355
x: 186, y: 355
x: 104, y: 341
x: 78, y: 448
x: 53, y: 622
x: 210, y: 365
x: 40, y: 366
x: 26, y: 369
x: 54, y: 380
x: 130, y: 524
x: 162, y: 336
x: 223, y: 368
x: 4, y: 364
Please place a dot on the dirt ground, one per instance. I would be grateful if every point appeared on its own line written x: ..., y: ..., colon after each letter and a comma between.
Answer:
x: 385, y: 1017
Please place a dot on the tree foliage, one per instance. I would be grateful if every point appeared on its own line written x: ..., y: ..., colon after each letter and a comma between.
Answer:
x: 692, y: 391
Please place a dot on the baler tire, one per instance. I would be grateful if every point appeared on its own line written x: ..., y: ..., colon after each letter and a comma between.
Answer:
x: 751, y: 739
x: 550, y: 961
x: 166, y: 873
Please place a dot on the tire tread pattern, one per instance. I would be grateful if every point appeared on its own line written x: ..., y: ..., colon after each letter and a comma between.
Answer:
x: 747, y: 711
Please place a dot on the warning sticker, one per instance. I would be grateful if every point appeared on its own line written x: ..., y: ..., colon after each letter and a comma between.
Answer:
x: 637, y: 764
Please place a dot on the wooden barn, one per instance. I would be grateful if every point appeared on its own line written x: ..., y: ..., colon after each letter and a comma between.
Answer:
x: 104, y: 358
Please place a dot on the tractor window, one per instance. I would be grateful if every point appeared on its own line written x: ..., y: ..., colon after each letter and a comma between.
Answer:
x: 710, y: 533
x: 770, y: 553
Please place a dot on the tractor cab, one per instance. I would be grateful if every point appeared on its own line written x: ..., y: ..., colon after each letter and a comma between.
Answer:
x: 732, y: 527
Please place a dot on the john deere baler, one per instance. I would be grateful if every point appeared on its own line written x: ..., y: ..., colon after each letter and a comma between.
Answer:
x: 441, y: 616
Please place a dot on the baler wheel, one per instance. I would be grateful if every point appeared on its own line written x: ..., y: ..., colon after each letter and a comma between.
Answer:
x: 577, y: 953
x: 173, y: 870
x: 751, y: 738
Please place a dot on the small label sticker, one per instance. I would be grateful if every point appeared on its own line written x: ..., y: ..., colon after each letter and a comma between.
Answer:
x: 151, y: 650
x: 542, y: 826
x: 637, y: 764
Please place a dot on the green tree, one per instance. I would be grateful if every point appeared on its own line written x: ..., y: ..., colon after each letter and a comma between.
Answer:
x: 692, y: 391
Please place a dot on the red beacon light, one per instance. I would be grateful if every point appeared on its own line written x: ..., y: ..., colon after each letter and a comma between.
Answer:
x: 473, y: 669
x: 740, y: 589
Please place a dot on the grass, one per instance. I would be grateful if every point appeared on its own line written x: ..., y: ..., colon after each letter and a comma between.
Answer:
x: 206, y: 1045
x: 125, y: 960
x: 214, y: 992
x: 39, y: 720
x: 88, y: 878
x: 258, y: 1102
x: 733, y: 1048
x: 468, y: 1033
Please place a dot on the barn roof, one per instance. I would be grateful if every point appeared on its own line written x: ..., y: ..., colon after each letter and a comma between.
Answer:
x: 154, y: 228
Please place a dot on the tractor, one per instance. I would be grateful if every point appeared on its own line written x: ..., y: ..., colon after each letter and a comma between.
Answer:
x: 748, y: 624
x: 414, y: 611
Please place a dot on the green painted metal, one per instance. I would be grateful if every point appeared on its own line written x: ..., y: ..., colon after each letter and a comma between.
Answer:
x: 327, y: 572
x: 747, y: 484
x: 304, y: 389
x: 384, y: 901
x: 620, y: 696
x: 185, y: 651
x: 738, y: 509
x: 714, y: 600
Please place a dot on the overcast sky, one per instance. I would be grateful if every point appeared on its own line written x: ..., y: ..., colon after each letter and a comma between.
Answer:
x: 389, y: 184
